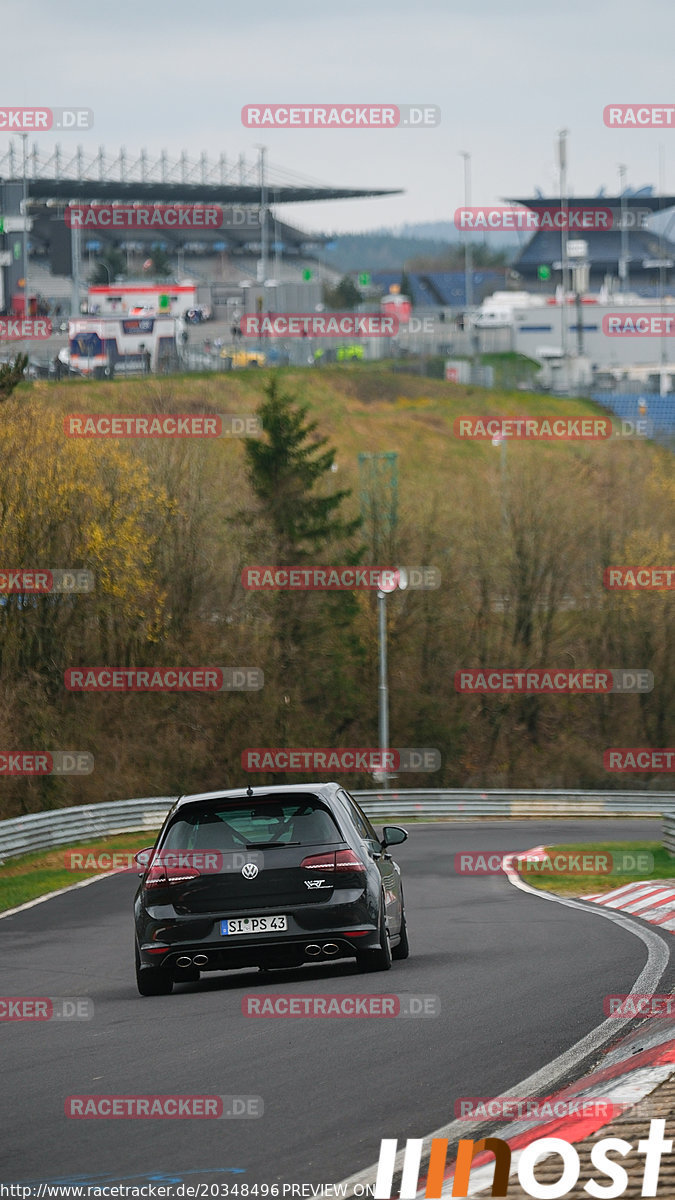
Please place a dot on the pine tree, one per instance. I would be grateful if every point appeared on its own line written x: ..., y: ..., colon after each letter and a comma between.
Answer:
x: 318, y: 658
x: 284, y: 468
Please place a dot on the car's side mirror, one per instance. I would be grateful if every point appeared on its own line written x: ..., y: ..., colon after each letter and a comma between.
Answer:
x: 142, y: 859
x: 393, y: 835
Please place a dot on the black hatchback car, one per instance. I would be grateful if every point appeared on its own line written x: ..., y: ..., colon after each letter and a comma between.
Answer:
x: 267, y: 877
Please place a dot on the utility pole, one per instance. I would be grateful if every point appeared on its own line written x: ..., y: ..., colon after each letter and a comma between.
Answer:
x: 25, y: 231
x: 623, y: 260
x: 263, y: 215
x: 379, y: 471
x: 562, y: 162
x: 468, y: 268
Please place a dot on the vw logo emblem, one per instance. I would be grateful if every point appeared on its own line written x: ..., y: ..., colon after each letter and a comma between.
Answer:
x: 249, y: 871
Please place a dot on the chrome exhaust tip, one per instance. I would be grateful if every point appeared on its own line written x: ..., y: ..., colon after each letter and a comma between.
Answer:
x: 312, y: 949
x: 183, y: 961
x: 200, y: 960
x: 330, y: 948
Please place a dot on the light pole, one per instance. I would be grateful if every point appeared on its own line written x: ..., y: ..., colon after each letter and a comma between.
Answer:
x: 388, y: 583
x: 562, y: 162
x: 623, y: 260
x: 500, y: 440
x: 25, y: 230
x: 663, y: 388
x: 468, y: 264
x: 263, y: 215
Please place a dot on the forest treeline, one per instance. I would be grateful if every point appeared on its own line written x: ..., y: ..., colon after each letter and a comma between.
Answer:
x: 521, y: 538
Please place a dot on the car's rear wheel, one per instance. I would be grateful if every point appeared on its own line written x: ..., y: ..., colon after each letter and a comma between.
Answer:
x: 381, y: 958
x: 403, y: 948
x: 152, y: 981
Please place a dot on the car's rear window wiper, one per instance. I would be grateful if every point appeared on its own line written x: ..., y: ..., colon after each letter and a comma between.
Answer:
x: 264, y: 845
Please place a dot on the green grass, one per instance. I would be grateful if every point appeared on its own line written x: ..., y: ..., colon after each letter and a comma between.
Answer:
x: 587, y: 885
x: 32, y: 875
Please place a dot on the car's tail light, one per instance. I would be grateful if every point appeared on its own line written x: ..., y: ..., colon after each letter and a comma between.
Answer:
x: 319, y: 862
x: 347, y: 860
x: 339, y: 860
x: 160, y: 876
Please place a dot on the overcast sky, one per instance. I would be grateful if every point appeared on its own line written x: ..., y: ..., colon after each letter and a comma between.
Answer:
x: 507, y: 75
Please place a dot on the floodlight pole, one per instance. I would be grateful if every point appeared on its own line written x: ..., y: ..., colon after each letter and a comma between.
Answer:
x: 25, y: 231
x: 383, y: 689
x: 623, y: 260
x: 562, y: 162
x: 468, y: 267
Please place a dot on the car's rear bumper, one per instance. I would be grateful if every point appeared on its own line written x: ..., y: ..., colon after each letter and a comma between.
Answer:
x: 165, y: 938
x: 258, y: 953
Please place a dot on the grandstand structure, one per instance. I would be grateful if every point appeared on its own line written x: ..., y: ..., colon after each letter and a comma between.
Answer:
x: 650, y: 255
x: 442, y: 289
x: 53, y: 180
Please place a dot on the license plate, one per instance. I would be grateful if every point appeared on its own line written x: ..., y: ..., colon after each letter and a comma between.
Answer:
x: 253, y: 925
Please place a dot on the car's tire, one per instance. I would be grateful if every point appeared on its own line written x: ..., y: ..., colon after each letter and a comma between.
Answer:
x: 380, y: 959
x: 152, y: 981
x: 403, y: 948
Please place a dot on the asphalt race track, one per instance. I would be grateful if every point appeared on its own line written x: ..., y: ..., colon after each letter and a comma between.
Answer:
x: 520, y: 980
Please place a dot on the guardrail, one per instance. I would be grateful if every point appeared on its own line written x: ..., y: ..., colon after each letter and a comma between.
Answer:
x: 669, y: 832
x: 58, y: 827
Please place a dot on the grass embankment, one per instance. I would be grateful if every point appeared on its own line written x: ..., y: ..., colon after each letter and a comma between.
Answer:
x: 663, y: 868
x: 31, y: 875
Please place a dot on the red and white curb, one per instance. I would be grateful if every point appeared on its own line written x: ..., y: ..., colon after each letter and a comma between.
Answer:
x: 651, y: 902
x: 633, y: 1069
x: 621, y: 1086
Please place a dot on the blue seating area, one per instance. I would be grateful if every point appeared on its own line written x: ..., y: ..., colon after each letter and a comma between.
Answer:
x: 660, y: 410
x: 442, y: 289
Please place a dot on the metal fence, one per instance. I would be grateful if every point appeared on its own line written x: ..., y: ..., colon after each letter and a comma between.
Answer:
x: 58, y: 827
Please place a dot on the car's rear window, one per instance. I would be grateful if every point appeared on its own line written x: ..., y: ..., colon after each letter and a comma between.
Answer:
x: 260, y: 821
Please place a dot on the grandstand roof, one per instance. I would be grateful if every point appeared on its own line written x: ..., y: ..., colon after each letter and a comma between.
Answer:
x: 653, y: 203
x: 124, y: 177
x: 603, y: 247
